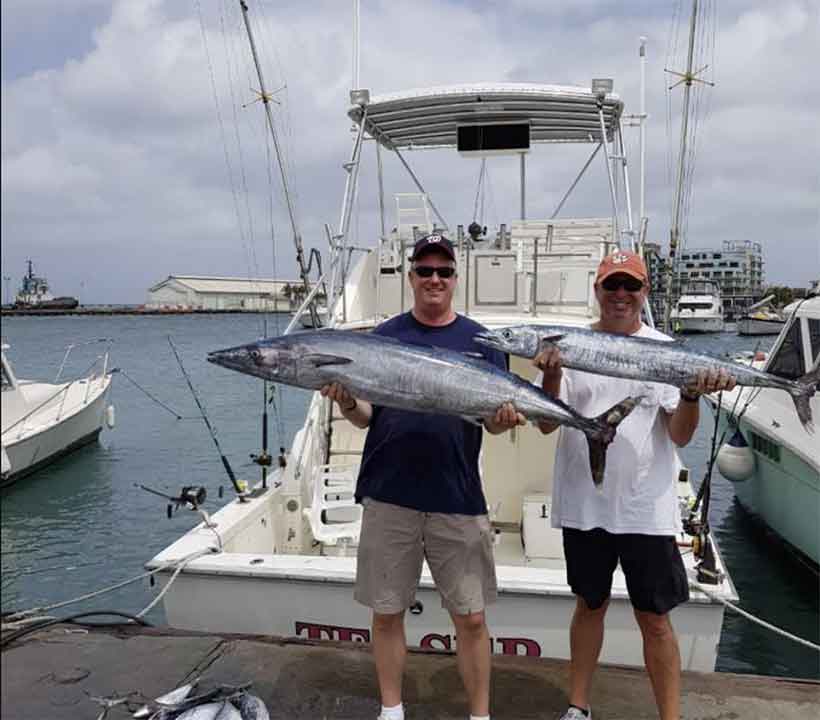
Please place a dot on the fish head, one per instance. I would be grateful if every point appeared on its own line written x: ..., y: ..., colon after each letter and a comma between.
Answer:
x: 521, y: 340
x: 267, y: 359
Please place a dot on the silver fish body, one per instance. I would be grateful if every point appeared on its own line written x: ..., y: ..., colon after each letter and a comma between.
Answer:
x: 390, y: 373
x: 646, y: 359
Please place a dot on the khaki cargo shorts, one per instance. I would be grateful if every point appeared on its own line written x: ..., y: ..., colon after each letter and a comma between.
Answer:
x: 395, y: 540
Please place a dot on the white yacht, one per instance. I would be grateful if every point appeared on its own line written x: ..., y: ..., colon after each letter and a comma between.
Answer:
x: 773, y: 463
x: 43, y: 421
x: 699, y: 308
x: 281, y: 559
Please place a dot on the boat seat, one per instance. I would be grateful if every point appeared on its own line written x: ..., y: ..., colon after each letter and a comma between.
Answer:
x: 334, y: 515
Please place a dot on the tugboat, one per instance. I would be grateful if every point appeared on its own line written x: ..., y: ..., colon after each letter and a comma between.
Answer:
x: 34, y: 295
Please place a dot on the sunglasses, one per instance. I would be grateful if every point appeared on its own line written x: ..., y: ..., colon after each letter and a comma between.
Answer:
x: 627, y: 282
x: 426, y: 271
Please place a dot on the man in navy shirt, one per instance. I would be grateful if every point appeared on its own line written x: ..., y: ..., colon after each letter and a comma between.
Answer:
x: 421, y: 490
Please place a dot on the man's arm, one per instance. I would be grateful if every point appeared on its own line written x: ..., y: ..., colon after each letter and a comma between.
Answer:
x: 548, y: 361
x: 683, y: 422
x: 356, y: 412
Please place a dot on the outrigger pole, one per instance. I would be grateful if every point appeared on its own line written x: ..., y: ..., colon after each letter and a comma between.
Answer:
x: 687, y: 78
x: 266, y: 97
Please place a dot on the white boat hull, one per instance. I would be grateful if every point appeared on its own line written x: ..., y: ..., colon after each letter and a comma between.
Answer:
x: 755, y: 326
x: 533, y: 623
x: 783, y: 492
x: 691, y: 324
x: 41, y: 440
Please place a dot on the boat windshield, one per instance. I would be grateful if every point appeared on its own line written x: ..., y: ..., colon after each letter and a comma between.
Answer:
x: 788, y: 362
x: 695, y: 306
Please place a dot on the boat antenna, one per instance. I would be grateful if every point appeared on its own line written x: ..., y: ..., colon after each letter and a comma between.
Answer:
x: 265, y: 97
x: 686, y: 79
x: 240, y: 491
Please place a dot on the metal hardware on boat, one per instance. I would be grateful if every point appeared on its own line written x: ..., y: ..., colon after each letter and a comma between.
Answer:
x: 417, y: 608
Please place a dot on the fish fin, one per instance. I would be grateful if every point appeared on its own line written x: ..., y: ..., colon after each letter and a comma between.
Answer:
x: 319, y: 359
x: 550, y: 339
x: 599, y: 438
x: 802, y: 394
x: 472, y: 354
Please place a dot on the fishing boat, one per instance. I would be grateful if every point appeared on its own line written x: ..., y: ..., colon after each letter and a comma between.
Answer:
x: 772, y: 462
x: 43, y: 421
x: 280, y: 558
x: 34, y: 294
x: 761, y: 319
x: 699, y: 308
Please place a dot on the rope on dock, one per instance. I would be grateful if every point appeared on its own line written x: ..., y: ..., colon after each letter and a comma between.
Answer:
x: 749, y: 616
x: 18, y: 619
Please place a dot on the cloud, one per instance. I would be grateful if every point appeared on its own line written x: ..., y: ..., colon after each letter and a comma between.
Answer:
x: 127, y: 153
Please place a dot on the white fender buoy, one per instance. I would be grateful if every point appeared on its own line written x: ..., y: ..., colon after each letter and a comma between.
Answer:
x: 110, y: 417
x: 735, y: 459
x: 6, y: 463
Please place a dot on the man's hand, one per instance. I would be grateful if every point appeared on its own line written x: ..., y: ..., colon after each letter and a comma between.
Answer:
x: 357, y: 412
x: 338, y: 392
x: 548, y: 361
x: 708, y: 381
x: 505, y: 418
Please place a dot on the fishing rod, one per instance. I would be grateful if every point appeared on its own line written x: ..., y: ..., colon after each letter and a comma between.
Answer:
x: 240, y: 492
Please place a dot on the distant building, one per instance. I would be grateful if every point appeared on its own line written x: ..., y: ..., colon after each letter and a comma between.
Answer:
x: 737, y: 268
x: 225, y: 293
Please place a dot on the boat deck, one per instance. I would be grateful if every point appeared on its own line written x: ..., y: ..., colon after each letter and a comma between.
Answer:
x: 52, y: 674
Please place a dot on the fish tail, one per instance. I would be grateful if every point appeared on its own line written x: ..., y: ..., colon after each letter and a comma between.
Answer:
x: 805, y: 388
x: 602, y: 433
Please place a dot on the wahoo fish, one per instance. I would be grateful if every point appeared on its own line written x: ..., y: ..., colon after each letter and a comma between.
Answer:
x: 637, y: 358
x: 387, y: 372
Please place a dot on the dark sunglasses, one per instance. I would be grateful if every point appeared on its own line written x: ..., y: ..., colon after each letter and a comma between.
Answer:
x: 426, y: 271
x: 627, y: 282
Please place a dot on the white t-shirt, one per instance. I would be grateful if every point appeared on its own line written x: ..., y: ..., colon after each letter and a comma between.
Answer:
x: 639, y: 491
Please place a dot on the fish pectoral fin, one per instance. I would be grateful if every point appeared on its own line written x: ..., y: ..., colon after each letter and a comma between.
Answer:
x: 551, y: 339
x: 319, y: 359
x: 477, y: 355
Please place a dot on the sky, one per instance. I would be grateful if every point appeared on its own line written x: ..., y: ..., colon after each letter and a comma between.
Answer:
x: 132, y: 148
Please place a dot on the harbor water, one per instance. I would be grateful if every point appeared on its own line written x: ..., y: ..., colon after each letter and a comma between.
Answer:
x: 84, y: 523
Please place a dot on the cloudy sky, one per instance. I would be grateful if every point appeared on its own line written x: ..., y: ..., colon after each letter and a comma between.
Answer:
x: 127, y: 154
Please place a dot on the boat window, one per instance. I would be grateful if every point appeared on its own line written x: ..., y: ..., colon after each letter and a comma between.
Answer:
x: 695, y: 306
x: 788, y: 362
x: 814, y: 339
x: 5, y: 381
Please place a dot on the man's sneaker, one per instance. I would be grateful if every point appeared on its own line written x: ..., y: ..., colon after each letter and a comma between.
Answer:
x: 574, y: 713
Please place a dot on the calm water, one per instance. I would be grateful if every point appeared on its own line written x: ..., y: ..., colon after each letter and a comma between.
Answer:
x: 82, y: 523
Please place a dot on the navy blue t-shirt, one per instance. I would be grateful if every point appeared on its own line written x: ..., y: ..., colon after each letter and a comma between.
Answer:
x: 426, y: 461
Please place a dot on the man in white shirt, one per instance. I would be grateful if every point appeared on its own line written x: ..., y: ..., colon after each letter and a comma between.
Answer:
x: 634, y: 518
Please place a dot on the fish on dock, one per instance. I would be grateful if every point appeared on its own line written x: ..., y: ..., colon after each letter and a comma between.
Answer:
x: 647, y: 359
x: 390, y: 373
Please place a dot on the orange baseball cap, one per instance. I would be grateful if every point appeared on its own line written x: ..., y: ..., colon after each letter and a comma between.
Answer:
x: 622, y: 261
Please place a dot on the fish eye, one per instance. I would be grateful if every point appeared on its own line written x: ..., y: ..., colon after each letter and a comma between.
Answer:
x: 507, y: 334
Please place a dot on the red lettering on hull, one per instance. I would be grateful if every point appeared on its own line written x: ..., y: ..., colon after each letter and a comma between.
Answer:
x: 432, y: 641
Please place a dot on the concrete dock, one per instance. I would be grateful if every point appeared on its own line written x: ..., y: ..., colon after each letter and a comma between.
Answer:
x: 50, y: 674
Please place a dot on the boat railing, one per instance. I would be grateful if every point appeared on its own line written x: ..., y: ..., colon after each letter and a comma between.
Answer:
x: 103, y: 357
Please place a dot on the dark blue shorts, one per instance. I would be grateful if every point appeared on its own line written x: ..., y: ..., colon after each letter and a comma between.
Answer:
x: 655, y: 576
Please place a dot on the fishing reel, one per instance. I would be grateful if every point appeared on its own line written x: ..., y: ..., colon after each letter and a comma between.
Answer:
x: 190, y: 496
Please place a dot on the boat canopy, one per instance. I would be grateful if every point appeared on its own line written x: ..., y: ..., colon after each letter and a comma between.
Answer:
x: 430, y: 117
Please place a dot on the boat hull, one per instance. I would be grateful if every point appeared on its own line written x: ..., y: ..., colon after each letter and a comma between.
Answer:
x: 36, y: 447
x: 698, y: 324
x: 755, y: 326
x: 520, y: 623
x: 783, y: 493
